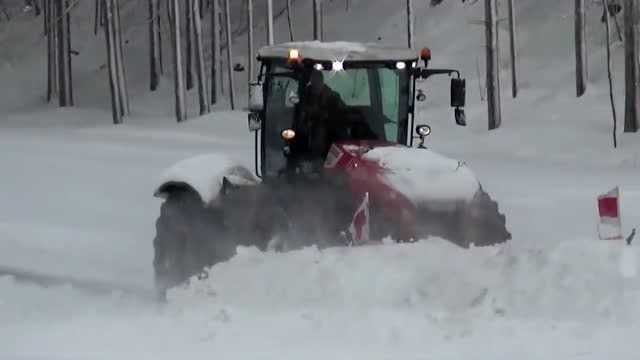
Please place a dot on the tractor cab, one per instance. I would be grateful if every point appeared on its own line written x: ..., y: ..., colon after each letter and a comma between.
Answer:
x: 311, y: 95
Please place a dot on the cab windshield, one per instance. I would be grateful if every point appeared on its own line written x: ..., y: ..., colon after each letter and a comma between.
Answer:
x: 373, y: 97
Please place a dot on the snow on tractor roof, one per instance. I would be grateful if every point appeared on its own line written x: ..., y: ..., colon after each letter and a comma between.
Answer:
x: 340, y: 50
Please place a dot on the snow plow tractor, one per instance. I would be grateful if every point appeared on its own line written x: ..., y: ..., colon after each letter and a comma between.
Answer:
x: 335, y: 165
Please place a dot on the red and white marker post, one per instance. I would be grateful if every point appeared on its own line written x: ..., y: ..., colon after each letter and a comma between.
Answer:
x: 610, y: 225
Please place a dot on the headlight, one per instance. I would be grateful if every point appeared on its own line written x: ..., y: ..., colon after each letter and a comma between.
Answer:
x: 288, y: 134
x: 423, y: 130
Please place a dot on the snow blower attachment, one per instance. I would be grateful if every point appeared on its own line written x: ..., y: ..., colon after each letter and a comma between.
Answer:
x: 333, y: 125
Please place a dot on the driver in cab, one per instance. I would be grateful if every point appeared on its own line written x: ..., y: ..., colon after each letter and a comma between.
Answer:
x: 322, y: 111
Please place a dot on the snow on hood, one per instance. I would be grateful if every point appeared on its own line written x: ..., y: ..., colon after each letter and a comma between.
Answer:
x: 205, y: 173
x: 423, y: 175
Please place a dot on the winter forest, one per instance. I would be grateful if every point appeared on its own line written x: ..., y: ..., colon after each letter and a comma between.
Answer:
x: 273, y: 179
x: 196, y: 39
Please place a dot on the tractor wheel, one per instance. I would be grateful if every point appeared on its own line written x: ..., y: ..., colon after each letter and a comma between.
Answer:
x: 481, y: 222
x: 189, y: 238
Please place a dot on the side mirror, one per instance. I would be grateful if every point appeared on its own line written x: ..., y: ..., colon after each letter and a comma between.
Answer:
x: 458, y: 92
x: 256, y: 97
x: 461, y: 117
x: 254, y: 122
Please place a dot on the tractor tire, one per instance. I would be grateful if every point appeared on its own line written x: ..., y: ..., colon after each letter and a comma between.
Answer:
x: 189, y: 238
x: 482, y: 224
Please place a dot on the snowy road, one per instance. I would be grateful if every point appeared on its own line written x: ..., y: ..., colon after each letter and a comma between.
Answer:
x: 76, y: 203
x: 554, y: 290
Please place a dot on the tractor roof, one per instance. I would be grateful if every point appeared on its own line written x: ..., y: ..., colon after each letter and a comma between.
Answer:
x: 331, y: 51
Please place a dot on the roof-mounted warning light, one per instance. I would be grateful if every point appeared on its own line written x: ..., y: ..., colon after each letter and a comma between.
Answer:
x: 294, y: 55
x: 425, y: 54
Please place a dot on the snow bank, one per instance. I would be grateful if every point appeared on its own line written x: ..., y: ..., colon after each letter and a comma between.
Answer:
x: 423, y: 175
x: 205, y: 174
x: 581, y: 280
x: 378, y: 302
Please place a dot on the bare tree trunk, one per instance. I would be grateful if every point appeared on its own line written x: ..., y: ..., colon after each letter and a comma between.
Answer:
x: 290, y: 21
x: 215, y: 51
x: 322, y: 33
x: 610, y: 76
x: 188, y: 36
x: 154, y: 45
x: 221, y: 64
x: 103, y: 14
x: 410, y: 25
x: 317, y: 13
x: 270, y: 39
x: 250, y: 39
x: 122, y: 77
x: 232, y: 93
x: 159, y: 36
x: 36, y: 5
x: 116, y: 106
x: 481, y: 88
x: 49, y: 13
x: 54, y: 43
x: 203, y: 94
x: 581, y: 56
x: 631, y: 67
x: 70, y: 100
x: 63, y: 54
x: 513, y: 50
x: 493, y: 69
x: 45, y: 19
x: 98, y: 11
x: 46, y: 34
x: 181, y: 112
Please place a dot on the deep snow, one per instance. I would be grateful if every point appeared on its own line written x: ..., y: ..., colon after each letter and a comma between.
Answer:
x: 76, y: 200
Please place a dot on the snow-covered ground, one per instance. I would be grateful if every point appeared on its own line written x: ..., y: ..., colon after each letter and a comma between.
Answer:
x: 76, y: 201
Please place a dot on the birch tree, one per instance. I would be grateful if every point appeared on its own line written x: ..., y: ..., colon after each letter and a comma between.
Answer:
x: 178, y: 77
x: 232, y: 93
x: 250, y: 38
x: 289, y: 21
x: 631, y: 67
x: 410, y: 25
x: 270, y: 39
x: 215, y: 51
x: 580, y: 48
x: 122, y: 77
x: 116, y: 106
x: 188, y: 37
x: 493, y: 70
x: 51, y: 34
x: 513, y: 49
x: 607, y: 24
x: 203, y: 95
